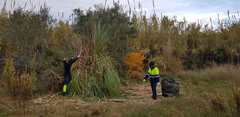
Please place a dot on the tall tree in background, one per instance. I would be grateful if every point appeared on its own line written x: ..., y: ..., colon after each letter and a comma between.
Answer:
x: 115, y: 20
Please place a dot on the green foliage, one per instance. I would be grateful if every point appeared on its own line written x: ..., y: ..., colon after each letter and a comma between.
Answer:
x: 86, y: 88
x: 97, y: 75
x: 116, y: 26
x: 110, y: 77
x: 112, y: 83
x: 63, y: 41
x: 25, y: 38
x: 101, y: 83
x: 37, y: 44
x: 178, y: 44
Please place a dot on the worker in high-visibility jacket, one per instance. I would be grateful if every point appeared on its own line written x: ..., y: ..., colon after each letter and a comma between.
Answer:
x: 154, y: 77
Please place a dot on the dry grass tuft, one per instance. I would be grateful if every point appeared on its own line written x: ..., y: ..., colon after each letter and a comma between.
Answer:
x: 218, y: 103
x: 236, y: 95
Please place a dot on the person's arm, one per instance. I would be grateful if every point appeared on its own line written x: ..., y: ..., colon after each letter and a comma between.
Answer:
x: 73, y: 59
x: 146, y: 76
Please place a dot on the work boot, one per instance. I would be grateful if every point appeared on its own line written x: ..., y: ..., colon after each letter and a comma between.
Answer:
x: 64, y: 94
x: 154, y: 97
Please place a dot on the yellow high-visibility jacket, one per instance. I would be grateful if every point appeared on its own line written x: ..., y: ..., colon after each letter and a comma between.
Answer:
x: 154, y: 73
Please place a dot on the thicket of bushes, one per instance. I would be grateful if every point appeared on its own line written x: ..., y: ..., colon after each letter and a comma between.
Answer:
x: 178, y: 44
x: 35, y: 42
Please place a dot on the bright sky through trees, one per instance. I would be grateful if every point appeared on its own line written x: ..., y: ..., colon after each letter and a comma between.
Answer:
x: 192, y: 10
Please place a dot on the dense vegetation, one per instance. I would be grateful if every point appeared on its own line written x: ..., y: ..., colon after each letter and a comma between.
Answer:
x: 32, y: 45
x: 115, y: 46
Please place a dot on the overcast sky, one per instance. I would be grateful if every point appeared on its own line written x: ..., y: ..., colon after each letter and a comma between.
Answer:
x: 192, y: 10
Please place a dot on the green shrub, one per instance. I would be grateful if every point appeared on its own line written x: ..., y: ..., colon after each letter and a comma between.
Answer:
x: 112, y: 83
x: 102, y: 82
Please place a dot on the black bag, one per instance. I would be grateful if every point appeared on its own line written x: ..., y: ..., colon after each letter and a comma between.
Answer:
x: 170, y: 88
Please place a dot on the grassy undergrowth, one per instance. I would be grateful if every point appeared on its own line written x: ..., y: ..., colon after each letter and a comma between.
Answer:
x: 104, y: 82
x: 213, y: 92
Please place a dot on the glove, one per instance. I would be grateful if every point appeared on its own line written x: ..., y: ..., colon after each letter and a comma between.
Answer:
x: 146, y: 76
x: 144, y: 80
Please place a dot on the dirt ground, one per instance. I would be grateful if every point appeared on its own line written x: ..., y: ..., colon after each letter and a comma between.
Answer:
x: 59, y: 106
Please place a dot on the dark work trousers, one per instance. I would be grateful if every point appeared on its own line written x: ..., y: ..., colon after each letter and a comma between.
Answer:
x: 154, y: 82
